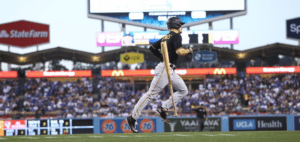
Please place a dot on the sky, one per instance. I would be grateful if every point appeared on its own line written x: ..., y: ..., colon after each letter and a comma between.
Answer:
x: 70, y: 27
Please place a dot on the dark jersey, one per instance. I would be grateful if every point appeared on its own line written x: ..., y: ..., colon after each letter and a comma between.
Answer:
x: 173, y: 43
x: 200, y: 112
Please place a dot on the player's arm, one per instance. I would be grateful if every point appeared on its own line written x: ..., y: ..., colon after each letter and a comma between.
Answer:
x: 178, y: 46
x: 154, y: 49
x: 182, y: 51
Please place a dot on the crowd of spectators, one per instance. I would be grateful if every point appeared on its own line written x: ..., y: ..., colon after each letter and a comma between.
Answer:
x: 8, y: 95
x: 221, y: 95
x: 70, y: 98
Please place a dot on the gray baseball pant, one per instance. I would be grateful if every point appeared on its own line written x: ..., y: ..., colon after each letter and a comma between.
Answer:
x: 158, y: 83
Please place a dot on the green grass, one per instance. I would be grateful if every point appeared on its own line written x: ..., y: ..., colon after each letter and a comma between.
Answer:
x: 262, y: 136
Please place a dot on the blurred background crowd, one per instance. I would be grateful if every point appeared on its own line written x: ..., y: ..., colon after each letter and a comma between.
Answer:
x: 220, y: 94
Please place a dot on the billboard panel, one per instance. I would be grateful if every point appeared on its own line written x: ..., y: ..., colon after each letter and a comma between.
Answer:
x: 191, y: 124
x: 155, y: 13
x: 118, y: 125
x: 109, y: 38
x: 205, y: 56
x: 148, y: 72
x: 8, y: 74
x: 257, y: 123
x: 36, y: 74
x: 132, y: 58
x: 24, y: 33
x: 293, y: 28
x: 297, y: 122
x: 277, y: 70
x: 188, y: 37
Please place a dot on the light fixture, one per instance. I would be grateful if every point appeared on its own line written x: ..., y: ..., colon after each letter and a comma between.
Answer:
x: 96, y: 58
x: 241, y: 55
x: 22, y: 59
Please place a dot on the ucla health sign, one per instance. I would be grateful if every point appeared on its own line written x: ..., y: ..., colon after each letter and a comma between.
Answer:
x: 293, y: 28
x: 257, y: 123
x: 205, y: 56
x: 244, y: 124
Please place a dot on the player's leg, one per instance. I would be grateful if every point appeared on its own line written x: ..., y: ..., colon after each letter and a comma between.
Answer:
x: 202, y: 124
x: 158, y: 83
x: 181, y: 91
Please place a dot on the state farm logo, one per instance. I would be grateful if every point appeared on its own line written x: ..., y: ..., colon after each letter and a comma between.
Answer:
x: 24, y: 34
x: 3, y: 34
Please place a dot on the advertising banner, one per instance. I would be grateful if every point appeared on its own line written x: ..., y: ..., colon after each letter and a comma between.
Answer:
x: 277, y: 70
x: 36, y: 74
x: 1, y: 128
x: 293, y: 28
x: 109, y: 38
x: 257, y: 123
x: 297, y: 122
x: 150, y: 37
x: 155, y: 13
x: 191, y: 124
x: 14, y: 127
x: 120, y: 125
x: 132, y: 58
x: 24, y: 33
x: 205, y: 56
x: 8, y: 74
x: 148, y: 72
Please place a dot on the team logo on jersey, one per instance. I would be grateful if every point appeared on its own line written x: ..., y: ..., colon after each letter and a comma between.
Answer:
x: 109, y: 126
x: 147, y: 126
x: 125, y: 127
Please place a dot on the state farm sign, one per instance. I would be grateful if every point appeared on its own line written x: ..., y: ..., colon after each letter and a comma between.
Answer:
x: 24, y: 33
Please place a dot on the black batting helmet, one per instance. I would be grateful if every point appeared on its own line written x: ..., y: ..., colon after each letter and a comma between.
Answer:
x: 174, y: 22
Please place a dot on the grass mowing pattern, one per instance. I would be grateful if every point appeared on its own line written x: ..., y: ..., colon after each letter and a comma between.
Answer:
x: 249, y: 136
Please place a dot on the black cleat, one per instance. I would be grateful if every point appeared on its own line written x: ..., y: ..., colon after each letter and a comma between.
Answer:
x: 163, y: 115
x: 131, y: 122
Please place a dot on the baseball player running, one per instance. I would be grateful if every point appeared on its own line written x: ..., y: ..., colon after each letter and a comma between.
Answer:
x: 160, y: 80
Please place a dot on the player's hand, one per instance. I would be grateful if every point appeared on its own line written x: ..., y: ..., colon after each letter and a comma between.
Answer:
x: 191, y: 50
x: 206, y: 118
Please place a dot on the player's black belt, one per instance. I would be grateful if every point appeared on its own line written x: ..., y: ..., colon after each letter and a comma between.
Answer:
x: 172, y: 66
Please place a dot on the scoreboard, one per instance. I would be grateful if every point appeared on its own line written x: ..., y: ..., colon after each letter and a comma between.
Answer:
x: 48, y: 127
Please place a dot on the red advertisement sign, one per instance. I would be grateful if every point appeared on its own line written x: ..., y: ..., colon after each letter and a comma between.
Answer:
x: 196, y: 71
x: 8, y: 74
x: 15, y: 124
x: 37, y: 74
x: 24, y: 33
x: 277, y: 70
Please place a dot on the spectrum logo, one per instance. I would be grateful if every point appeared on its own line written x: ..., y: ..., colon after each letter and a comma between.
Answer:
x: 109, y: 126
x: 147, y: 126
x: 244, y: 124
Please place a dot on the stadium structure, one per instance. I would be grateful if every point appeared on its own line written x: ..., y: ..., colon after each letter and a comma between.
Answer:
x: 250, y: 90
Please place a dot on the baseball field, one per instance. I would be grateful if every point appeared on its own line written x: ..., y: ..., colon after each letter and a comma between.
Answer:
x: 258, y: 136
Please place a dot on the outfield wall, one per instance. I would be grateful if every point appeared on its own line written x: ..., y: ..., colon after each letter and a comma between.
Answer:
x: 148, y: 125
